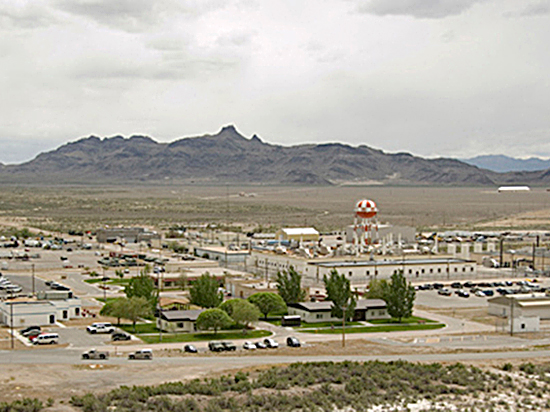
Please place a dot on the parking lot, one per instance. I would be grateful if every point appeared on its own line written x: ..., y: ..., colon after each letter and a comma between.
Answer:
x: 432, y: 299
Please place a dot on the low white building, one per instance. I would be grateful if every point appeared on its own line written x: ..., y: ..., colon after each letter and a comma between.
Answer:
x: 526, y: 305
x: 26, y: 312
x: 360, y: 271
x: 314, y: 312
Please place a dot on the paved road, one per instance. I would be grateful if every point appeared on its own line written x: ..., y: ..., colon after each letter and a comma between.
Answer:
x: 73, y: 357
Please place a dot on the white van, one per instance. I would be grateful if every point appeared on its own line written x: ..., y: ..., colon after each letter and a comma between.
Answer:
x: 46, y: 339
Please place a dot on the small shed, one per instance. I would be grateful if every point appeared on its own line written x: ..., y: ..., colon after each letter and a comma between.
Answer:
x: 178, y: 320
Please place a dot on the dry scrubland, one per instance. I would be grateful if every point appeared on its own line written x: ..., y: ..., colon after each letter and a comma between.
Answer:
x: 328, y: 386
x: 327, y: 208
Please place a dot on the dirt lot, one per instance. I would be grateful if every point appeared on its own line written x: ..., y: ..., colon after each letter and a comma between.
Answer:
x: 327, y: 208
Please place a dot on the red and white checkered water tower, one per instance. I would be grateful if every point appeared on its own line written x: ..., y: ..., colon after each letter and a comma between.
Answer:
x: 364, y: 223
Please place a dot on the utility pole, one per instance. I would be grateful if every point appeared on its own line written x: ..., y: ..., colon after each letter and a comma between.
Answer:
x: 159, y: 307
x: 32, y: 266
x: 11, y: 322
x: 344, y: 326
x: 511, y: 316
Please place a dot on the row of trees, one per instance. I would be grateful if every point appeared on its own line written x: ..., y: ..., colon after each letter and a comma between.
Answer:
x: 142, y: 299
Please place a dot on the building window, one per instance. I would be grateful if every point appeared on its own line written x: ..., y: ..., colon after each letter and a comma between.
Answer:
x: 350, y: 273
x: 368, y: 272
x: 456, y: 269
x: 180, y: 324
x: 410, y: 271
x: 464, y: 269
x: 431, y: 270
x: 376, y: 272
x: 523, y: 326
x: 471, y: 269
x: 422, y: 271
x: 438, y: 270
x: 319, y: 316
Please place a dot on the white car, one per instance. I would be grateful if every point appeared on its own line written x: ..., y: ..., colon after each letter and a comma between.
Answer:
x: 249, y: 346
x: 271, y: 343
x: 480, y: 293
x: 100, y: 327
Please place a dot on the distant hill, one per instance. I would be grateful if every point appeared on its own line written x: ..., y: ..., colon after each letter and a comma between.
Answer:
x: 502, y: 164
x: 228, y: 157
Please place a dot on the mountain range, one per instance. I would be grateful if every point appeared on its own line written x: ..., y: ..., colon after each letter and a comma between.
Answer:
x: 503, y: 164
x: 229, y: 157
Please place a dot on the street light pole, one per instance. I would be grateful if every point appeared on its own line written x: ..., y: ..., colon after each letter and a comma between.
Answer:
x: 32, y: 266
x: 344, y: 326
x: 11, y: 322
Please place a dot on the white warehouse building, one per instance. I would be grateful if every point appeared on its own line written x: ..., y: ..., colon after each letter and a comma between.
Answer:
x: 26, y: 312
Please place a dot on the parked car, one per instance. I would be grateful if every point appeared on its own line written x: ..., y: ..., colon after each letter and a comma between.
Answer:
x: 260, y: 345
x: 46, y: 339
x: 30, y: 330
x: 100, y: 327
x: 438, y: 286
x: 141, y: 354
x: 229, y: 346
x: 13, y: 288
x: 95, y: 354
x: 215, y: 346
x: 249, y: 346
x: 190, y: 349
x: 293, y: 342
x: 120, y: 336
x: 480, y: 293
x: 444, y: 292
x: 462, y: 293
x: 271, y: 343
x: 456, y: 285
x: 488, y: 292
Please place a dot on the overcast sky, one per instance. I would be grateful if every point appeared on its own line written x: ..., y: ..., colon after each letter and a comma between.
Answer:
x: 451, y: 78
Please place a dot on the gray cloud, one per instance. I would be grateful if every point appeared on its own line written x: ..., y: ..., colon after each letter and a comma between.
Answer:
x: 540, y: 8
x: 176, y: 67
x: 422, y: 9
x: 25, y: 16
x: 136, y: 16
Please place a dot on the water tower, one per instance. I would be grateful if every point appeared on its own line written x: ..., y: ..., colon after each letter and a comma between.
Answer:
x: 364, y: 223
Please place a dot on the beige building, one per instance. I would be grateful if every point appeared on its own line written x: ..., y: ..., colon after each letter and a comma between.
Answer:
x: 526, y: 305
x: 246, y: 287
x: 315, y: 312
x: 178, y: 320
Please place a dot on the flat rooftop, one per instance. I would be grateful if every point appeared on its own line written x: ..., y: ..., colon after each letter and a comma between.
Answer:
x: 395, y: 262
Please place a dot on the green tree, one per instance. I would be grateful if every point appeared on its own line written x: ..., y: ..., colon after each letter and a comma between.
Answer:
x: 229, y: 305
x: 119, y: 273
x: 289, y: 285
x: 377, y: 289
x: 142, y: 286
x: 213, y: 319
x: 137, y: 307
x: 115, y: 308
x: 268, y: 302
x: 241, y: 311
x: 340, y: 294
x: 399, y: 296
x: 205, y: 293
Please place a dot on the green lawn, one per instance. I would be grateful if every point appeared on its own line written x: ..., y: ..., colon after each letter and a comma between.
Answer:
x: 140, y: 327
x: 383, y: 328
x: 412, y: 319
x: 197, y: 337
x: 306, y: 325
